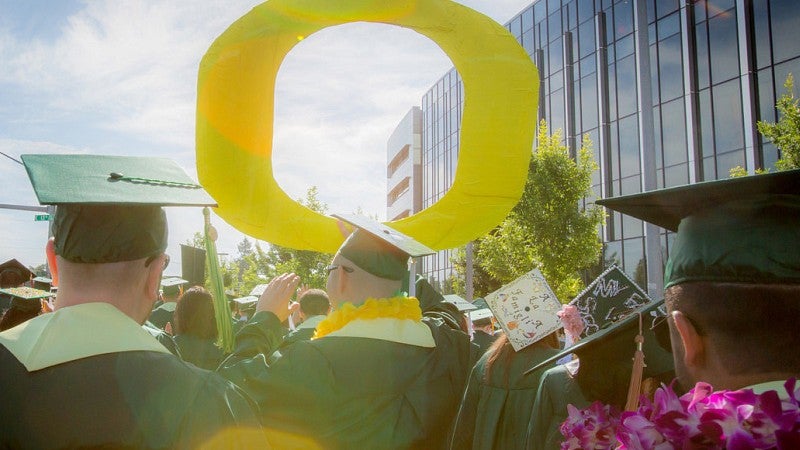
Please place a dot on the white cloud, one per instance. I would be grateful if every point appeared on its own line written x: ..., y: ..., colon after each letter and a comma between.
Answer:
x: 129, y: 68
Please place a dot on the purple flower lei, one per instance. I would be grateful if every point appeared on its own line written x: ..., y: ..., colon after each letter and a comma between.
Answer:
x: 700, y: 419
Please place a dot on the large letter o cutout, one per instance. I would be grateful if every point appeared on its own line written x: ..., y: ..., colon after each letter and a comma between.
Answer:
x: 235, y: 103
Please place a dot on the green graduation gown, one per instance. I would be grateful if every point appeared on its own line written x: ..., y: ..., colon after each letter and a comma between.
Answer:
x: 483, y: 340
x: 203, y: 353
x: 494, y: 413
x: 557, y: 389
x: 89, y: 376
x: 355, y: 392
x: 162, y: 314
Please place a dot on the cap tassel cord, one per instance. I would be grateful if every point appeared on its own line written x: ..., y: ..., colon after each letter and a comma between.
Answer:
x: 222, y: 309
x: 635, y: 386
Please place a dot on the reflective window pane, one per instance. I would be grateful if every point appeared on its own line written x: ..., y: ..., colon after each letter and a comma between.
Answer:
x: 723, y: 47
x: 588, y: 99
x: 728, y: 125
x: 673, y: 124
x: 664, y: 7
x: 626, y: 86
x: 716, y: 7
x: 676, y: 175
x: 585, y: 10
x: 623, y: 18
x: 612, y: 253
x: 785, y: 30
x: 727, y: 161
x: 670, y: 68
x: 586, y: 36
x: 554, y: 26
x: 633, y: 254
x: 629, y: 146
x: 761, y: 34
x: 701, y: 53
x: 706, y: 123
x: 669, y: 25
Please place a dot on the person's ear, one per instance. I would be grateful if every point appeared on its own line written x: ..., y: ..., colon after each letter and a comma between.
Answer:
x: 153, y: 281
x: 691, y: 340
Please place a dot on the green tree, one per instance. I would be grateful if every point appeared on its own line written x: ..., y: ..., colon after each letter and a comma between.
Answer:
x: 785, y: 134
x: 548, y: 228
x: 309, y: 265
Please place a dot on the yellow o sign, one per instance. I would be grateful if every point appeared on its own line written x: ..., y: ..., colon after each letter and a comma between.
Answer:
x: 236, y: 85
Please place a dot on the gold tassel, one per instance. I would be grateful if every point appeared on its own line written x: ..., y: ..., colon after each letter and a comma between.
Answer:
x: 635, y: 386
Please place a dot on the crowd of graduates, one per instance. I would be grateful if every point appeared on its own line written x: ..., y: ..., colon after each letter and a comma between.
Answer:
x: 378, y: 358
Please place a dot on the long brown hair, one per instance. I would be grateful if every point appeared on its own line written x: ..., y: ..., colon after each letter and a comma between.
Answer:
x: 501, y: 350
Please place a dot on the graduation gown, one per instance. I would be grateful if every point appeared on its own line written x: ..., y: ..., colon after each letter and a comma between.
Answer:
x: 203, y: 353
x: 372, y: 384
x: 494, y: 413
x: 557, y: 389
x: 483, y: 340
x: 162, y: 314
x: 89, y: 376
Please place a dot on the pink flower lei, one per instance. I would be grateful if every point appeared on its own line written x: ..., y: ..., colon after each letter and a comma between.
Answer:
x: 700, y: 419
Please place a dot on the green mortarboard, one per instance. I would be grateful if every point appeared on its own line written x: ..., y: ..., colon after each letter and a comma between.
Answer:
x: 26, y: 298
x: 258, y: 290
x: 109, y: 207
x: 42, y: 283
x: 480, y: 314
x: 738, y: 230
x: 616, y: 341
x: 379, y: 249
x: 461, y: 303
x: 172, y: 286
x: 246, y: 301
x: 480, y: 303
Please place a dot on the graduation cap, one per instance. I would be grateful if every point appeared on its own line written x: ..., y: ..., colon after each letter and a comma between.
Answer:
x: 246, y: 301
x: 742, y: 230
x: 461, y: 303
x: 13, y: 273
x: 109, y: 207
x: 480, y: 314
x: 258, y: 290
x: 172, y: 286
x: 26, y: 298
x: 379, y: 249
x: 42, y: 283
x: 616, y: 341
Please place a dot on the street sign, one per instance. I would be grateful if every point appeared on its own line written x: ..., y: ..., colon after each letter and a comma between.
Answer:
x: 41, y: 217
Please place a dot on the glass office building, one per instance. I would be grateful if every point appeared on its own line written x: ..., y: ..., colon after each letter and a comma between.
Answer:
x: 670, y: 102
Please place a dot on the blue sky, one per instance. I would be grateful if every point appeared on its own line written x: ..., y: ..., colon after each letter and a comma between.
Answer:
x: 119, y: 77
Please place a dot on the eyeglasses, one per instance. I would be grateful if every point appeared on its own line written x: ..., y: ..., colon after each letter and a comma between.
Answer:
x: 333, y: 267
x: 149, y: 260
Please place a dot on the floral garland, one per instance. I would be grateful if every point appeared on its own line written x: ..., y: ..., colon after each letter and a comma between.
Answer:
x: 395, y: 307
x: 700, y: 419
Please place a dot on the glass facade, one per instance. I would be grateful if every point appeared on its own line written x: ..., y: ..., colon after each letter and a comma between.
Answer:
x: 716, y: 67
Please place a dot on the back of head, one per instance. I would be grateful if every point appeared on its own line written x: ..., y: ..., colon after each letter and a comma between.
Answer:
x: 314, y: 302
x: 753, y: 327
x: 194, y: 314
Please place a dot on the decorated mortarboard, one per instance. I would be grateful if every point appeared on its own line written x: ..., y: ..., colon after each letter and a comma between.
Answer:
x: 616, y: 341
x: 379, y: 249
x: 172, y: 285
x: 109, y: 207
x: 609, y: 297
x: 526, y: 309
x: 461, y: 303
x: 26, y: 298
x: 740, y: 230
x: 13, y: 273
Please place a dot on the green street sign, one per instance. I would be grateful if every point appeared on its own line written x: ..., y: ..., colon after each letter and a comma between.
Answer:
x: 41, y: 217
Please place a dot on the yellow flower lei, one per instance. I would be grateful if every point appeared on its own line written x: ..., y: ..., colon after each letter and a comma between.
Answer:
x: 395, y: 307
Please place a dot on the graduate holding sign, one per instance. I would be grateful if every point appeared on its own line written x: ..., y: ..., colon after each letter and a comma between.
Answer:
x: 88, y: 374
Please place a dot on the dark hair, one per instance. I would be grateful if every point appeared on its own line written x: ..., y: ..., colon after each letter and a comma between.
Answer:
x: 752, y: 326
x: 315, y: 302
x: 15, y: 316
x: 194, y: 314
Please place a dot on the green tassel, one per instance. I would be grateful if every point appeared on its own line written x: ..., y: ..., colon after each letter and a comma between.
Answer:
x: 222, y: 309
